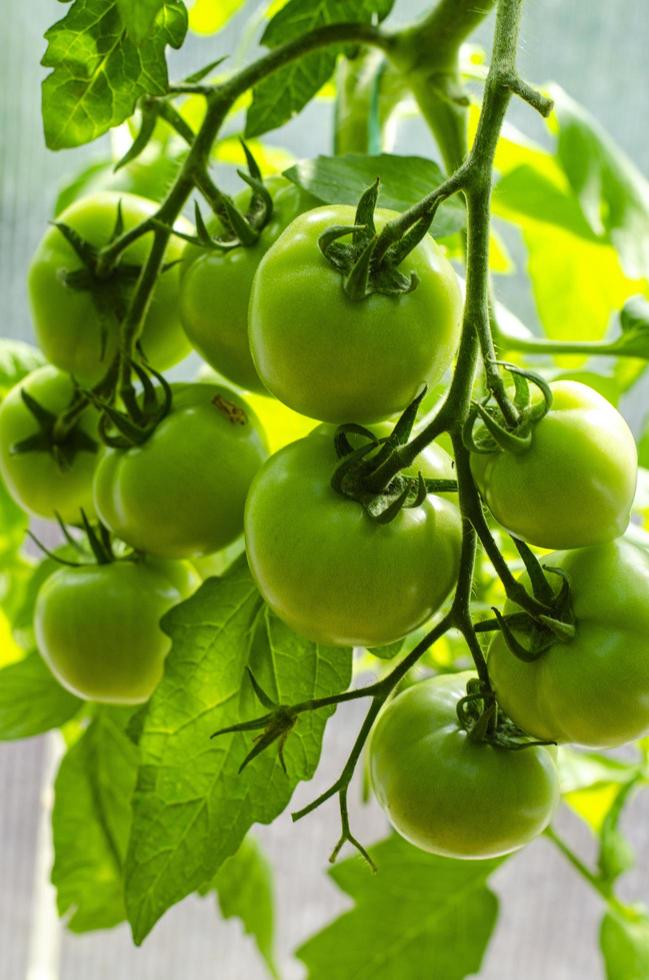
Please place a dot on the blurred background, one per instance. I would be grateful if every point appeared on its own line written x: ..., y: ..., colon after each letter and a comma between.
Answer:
x: 549, y: 918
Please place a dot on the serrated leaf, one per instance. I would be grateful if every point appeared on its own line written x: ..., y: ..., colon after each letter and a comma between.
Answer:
x: 100, y: 71
x: 192, y: 809
x: 209, y: 16
x: 244, y: 888
x: 139, y: 15
x: 419, y: 916
x: 404, y: 181
x: 280, y: 96
x: 31, y: 700
x: 592, y: 782
x: 625, y: 945
x: 613, y: 194
x: 90, y: 823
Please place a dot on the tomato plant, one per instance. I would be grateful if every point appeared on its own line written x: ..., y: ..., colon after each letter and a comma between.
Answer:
x: 447, y: 794
x: 327, y: 569
x: 97, y: 626
x: 592, y: 688
x: 216, y: 285
x: 46, y: 475
x: 381, y: 460
x: 181, y: 494
x: 76, y: 312
x: 332, y: 359
x: 575, y: 484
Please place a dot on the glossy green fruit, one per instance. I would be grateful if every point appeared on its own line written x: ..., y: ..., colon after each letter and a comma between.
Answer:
x: 216, y: 285
x: 594, y: 689
x: 77, y: 328
x: 182, y: 493
x: 575, y: 485
x: 333, y: 359
x: 329, y: 571
x: 450, y: 795
x: 35, y: 479
x: 97, y: 626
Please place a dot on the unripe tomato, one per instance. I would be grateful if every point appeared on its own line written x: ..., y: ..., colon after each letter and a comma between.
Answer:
x: 334, y: 359
x: 575, y: 485
x: 182, y: 493
x: 77, y: 329
x: 450, y: 795
x: 35, y: 479
x: 216, y: 286
x: 97, y: 626
x: 593, y: 689
x: 329, y: 571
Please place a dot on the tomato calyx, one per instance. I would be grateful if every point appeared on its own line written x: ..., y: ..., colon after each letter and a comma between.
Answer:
x: 480, y: 716
x: 144, y: 411
x: 63, y: 445
x: 542, y: 631
x: 487, y: 431
x: 241, y: 229
x: 368, y: 264
x: 353, y: 477
x: 96, y: 548
x: 275, y: 726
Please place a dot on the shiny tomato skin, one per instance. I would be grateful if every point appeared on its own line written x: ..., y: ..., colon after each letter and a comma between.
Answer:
x: 334, y: 359
x: 181, y: 494
x: 575, y: 485
x: 35, y: 479
x: 97, y: 626
x: 593, y: 689
x: 330, y: 572
x: 75, y: 333
x: 216, y: 285
x: 447, y: 794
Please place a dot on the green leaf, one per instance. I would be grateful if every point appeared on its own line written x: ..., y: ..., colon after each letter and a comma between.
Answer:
x: 613, y: 194
x: 100, y: 71
x: 531, y: 193
x: 404, y: 181
x: 244, y: 888
x: 90, y: 823
x: 17, y: 360
x: 285, y: 93
x: 192, y: 809
x: 420, y: 916
x: 387, y: 652
x: 625, y: 944
x: 209, y: 16
x: 139, y: 15
x: 31, y: 700
x: 615, y: 852
x: 578, y: 285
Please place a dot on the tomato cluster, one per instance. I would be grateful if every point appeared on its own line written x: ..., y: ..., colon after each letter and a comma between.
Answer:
x: 272, y: 316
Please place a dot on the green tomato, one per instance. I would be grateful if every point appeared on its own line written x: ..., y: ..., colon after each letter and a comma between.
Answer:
x: 333, y: 359
x: 78, y: 329
x: 182, y: 493
x: 594, y: 689
x: 216, y: 286
x: 575, y: 485
x: 329, y: 571
x: 35, y: 479
x: 97, y: 626
x: 447, y: 794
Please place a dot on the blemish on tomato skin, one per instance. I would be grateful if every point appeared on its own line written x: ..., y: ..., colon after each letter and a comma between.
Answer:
x: 233, y: 413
